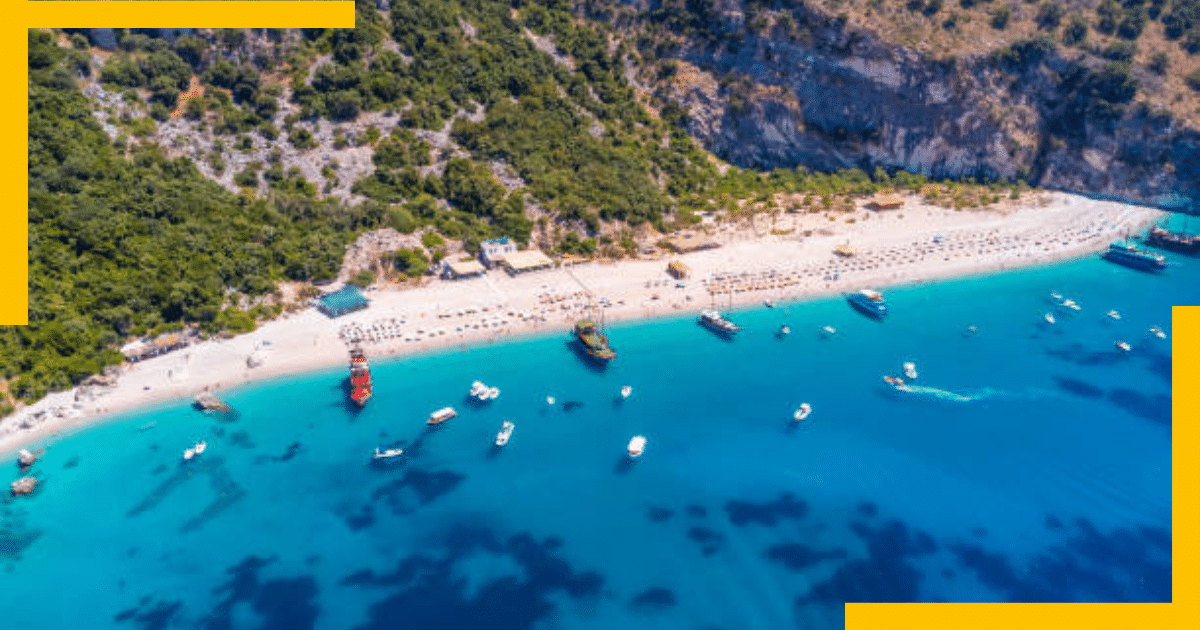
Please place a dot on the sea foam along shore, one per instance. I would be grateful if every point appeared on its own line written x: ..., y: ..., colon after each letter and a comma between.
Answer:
x: 754, y: 263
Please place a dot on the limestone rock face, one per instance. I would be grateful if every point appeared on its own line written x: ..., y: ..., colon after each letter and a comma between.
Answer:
x: 838, y: 97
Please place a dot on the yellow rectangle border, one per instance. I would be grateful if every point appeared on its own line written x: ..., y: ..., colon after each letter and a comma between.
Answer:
x: 1185, y: 564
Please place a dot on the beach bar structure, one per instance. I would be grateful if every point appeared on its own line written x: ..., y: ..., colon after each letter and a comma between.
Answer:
x: 345, y: 300
x: 466, y: 268
x: 528, y: 260
x: 886, y: 202
x: 493, y: 251
x: 678, y: 270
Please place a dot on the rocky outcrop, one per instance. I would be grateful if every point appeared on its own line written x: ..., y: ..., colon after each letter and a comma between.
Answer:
x: 837, y: 97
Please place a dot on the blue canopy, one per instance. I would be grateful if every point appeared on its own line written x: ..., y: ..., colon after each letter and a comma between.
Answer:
x: 345, y: 300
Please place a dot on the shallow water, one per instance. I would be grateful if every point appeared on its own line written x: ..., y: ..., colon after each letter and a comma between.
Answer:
x: 1028, y: 462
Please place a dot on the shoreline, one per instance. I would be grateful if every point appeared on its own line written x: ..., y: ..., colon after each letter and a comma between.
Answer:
x: 895, y: 248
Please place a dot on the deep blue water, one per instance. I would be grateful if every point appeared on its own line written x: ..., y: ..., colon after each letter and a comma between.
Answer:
x: 1034, y: 465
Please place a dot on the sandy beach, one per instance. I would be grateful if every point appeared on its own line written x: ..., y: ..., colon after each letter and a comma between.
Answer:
x: 755, y: 262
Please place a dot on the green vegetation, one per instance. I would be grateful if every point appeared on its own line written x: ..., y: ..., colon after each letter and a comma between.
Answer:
x: 122, y: 246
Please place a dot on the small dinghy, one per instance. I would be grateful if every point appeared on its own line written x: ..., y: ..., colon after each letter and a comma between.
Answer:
x: 637, y: 446
x: 1123, y: 346
x: 387, y: 453
x: 971, y: 330
x: 626, y: 391
x: 505, y: 432
x: 802, y: 412
x: 910, y: 370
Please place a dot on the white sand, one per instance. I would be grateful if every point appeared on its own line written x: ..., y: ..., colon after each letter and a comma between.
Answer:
x: 751, y: 263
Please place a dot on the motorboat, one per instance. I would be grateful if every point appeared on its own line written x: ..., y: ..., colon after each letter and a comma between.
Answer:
x: 483, y: 393
x: 1123, y: 346
x: 387, y: 453
x: 1049, y: 317
x: 784, y: 330
x: 869, y: 302
x: 802, y: 412
x: 200, y: 446
x: 626, y: 391
x: 637, y: 446
x: 829, y: 331
x: 910, y: 370
x: 1071, y: 304
x: 712, y: 320
x: 505, y: 432
x: 894, y: 381
x: 1057, y: 298
x: 1113, y: 314
x: 769, y: 303
x: 441, y: 415
x: 550, y: 400
x: 1158, y: 332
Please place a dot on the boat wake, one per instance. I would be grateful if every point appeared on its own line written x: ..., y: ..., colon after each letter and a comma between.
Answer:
x: 941, y: 394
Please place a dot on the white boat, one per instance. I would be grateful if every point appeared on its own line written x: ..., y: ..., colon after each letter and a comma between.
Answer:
x: 505, y: 433
x: 769, y: 303
x: 785, y: 330
x: 971, y: 330
x: 1123, y: 347
x: 1158, y: 332
x: 493, y: 393
x: 387, y: 453
x: 626, y: 391
x: 1113, y: 314
x: 188, y: 454
x: 829, y: 331
x: 477, y: 388
x: 1071, y: 305
x: 200, y: 446
x: 441, y: 415
x: 1049, y: 317
x: 637, y: 446
x: 802, y: 412
x: 910, y: 370
x: 550, y: 400
x: 1057, y: 298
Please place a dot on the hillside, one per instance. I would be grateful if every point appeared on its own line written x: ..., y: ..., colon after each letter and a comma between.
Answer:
x: 208, y: 178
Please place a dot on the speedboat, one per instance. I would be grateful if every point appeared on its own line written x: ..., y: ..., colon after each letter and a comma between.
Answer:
x: 626, y: 391
x: 894, y: 381
x: 1049, y: 317
x: 1113, y: 314
x: 387, y: 453
x: 1158, y: 332
x: 802, y: 412
x: 829, y: 331
x: 1071, y: 304
x: 910, y: 370
x: 1057, y: 298
x: 1123, y: 346
x: 188, y: 454
x: 784, y: 330
x: 637, y: 446
x: 200, y: 446
x: 441, y: 415
x: 550, y: 400
x: 505, y: 432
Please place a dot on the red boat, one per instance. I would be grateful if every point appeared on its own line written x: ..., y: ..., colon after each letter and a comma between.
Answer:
x: 360, y: 377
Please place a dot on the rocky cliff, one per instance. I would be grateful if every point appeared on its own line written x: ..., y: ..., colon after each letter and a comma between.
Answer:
x: 804, y: 88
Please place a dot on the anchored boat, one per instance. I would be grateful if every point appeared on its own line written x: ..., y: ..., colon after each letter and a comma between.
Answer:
x: 505, y: 433
x: 712, y: 320
x: 360, y: 377
x: 595, y: 343
x: 869, y: 302
x: 441, y: 415
x: 1130, y: 256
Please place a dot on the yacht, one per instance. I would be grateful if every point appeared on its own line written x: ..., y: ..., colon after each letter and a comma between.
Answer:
x: 1049, y: 317
x: 910, y: 370
x: 505, y: 433
x: 1130, y: 256
x: 637, y: 446
x: 869, y: 302
x: 387, y: 453
x: 441, y: 415
x: 1123, y: 346
x: 712, y: 320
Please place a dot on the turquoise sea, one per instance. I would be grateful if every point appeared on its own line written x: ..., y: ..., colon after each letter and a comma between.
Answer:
x: 1030, y: 462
